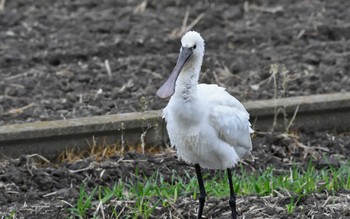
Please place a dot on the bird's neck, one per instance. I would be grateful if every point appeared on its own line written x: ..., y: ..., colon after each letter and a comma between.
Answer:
x: 186, y: 83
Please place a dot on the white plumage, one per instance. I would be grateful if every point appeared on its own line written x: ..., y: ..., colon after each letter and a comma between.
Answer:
x: 212, y: 129
x: 209, y: 127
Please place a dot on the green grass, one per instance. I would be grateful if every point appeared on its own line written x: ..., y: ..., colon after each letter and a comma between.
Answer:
x: 143, y: 198
x: 83, y: 202
x: 12, y: 215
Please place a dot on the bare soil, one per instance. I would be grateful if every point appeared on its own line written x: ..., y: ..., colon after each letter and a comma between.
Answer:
x: 53, y: 55
x: 54, y: 58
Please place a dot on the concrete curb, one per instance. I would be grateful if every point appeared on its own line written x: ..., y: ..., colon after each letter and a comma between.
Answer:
x: 49, y: 138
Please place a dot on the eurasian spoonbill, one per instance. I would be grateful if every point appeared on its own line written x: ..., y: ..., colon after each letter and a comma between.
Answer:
x: 209, y: 127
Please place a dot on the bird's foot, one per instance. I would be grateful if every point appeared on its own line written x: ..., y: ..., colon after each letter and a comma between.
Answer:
x: 201, y: 200
x: 232, y: 203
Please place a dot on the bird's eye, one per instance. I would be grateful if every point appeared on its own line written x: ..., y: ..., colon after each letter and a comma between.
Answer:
x: 194, y: 46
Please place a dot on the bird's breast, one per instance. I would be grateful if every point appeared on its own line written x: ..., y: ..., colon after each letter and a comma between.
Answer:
x: 187, y: 111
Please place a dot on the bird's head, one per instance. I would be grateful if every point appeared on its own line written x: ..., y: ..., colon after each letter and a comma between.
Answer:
x: 192, y: 50
x: 194, y: 43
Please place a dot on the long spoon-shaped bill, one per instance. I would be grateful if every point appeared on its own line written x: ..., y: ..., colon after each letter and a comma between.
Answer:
x: 168, y: 88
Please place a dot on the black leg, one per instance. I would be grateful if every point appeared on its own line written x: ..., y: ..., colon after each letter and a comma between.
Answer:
x: 232, y: 195
x: 202, y: 194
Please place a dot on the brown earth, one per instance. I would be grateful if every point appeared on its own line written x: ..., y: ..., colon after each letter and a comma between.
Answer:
x: 53, y: 58
x: 53, y: 54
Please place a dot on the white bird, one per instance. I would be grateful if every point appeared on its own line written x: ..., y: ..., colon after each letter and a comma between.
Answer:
x: 209, y: 127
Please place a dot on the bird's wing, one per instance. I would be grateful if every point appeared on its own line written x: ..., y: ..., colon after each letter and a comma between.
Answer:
x: 228, y: 117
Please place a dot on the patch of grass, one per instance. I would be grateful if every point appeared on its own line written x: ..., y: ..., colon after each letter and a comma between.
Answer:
x: 271, y: 182
x: 83, y: 203
x: 141, y: 198
x: 11, y: 215
x: 292, y: 205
